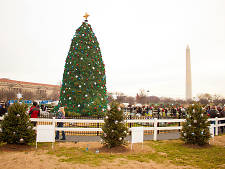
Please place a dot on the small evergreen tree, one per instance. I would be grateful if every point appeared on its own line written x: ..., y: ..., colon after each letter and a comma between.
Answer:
x: 196, y: 128
x: 16, y: 127
x: 114, y: 127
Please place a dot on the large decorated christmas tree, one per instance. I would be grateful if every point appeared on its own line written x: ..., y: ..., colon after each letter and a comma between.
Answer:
x: 84, y: 82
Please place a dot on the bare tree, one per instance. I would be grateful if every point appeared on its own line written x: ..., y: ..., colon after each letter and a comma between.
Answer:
x: 54, y: 95
x: 223, y: 101
x: 120, y: 97
x: 154, y: 99
x: 166, y: 100
x: 205, y: 96
x: 2, y: 95
x: 141, y: 97
x: 110, y: 97
x: 130, y: 100
x: 203, y: 101
x: 40, y: 95
x: 7, y: 95
x: 180, y: 101
x: 28, y: 95
x: 217, y: 99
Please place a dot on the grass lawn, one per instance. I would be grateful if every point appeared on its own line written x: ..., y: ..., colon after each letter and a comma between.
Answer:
x: 175, y: 152
x: 180, y: 154
x: 167, y: 154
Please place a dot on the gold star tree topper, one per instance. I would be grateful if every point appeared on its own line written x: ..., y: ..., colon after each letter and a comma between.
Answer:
x: 86, y: 15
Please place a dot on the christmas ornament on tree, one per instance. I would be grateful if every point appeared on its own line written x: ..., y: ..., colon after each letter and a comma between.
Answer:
x: 196, y: 128
x: 15, y: 126
x: 84, y: 82
x: 21, y: 140
x: 114, y: 129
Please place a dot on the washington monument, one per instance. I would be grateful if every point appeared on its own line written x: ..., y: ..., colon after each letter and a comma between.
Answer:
x: 188, y: 74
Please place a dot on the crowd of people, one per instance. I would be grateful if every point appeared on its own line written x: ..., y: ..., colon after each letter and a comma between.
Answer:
x: 34, y: 112
x: 150, y: 111
x: 172, y: 111
x: 157, y: 111
x: 217, y: 111
x: 178, y: 111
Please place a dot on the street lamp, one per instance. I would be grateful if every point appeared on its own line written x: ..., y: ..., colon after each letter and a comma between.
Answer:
x: 147, y: 96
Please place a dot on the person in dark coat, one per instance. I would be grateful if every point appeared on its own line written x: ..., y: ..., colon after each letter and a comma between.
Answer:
x: 213, y: 112
x: 147, y: 109
x: 60, y: 115
x: 222, y: 115
x: 7, y: 104
x: 174, y: 110
x: 139, y: 110
x: 42, y: 107
x: 131, y: 109
x: 158, y: 112
x: 179, y: 113
x: 3, y: 110
x: 166, y: 111
x: 0, y: 109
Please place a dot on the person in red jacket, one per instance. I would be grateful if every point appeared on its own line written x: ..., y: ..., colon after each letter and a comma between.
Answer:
x: 34, y: 112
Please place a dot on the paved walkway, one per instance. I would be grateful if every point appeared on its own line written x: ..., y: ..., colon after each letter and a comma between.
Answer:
x: 163, y: 136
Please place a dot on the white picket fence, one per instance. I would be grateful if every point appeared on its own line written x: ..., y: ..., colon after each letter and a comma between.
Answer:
x: 154, y: 121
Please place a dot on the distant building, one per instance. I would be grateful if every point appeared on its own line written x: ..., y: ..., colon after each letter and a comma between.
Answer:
x: 188, y: 75
x: 22, y: 87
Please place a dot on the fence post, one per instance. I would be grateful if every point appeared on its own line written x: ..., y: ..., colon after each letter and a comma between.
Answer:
x: 98, y: 127
x: 155, y: 129
x: 130, y: 125
x: 53, y: 122
x: 216, y: 126
x: 211, y: 129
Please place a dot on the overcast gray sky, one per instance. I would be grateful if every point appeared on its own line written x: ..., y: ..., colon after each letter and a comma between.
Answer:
x: 143, y: 42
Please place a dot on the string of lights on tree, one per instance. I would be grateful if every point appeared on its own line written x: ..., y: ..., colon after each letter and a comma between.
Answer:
x: 84, y: 82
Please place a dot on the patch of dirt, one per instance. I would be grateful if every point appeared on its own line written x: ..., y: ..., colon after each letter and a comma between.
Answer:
x: 218, y: 140
x: 93, y: 146
x: 40, y: 160
x: 30, y: 159
x: 26, y: 157
x: 125, y: 164
x: 15, y: 147
x: 197, y: 146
